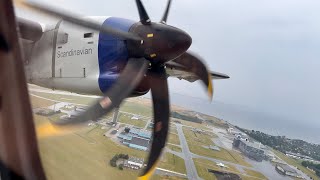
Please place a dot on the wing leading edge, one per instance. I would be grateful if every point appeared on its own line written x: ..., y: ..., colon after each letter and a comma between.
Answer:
x: 180, y: 72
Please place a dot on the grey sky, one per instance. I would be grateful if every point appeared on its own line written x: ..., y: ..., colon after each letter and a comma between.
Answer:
x: 270, y: 48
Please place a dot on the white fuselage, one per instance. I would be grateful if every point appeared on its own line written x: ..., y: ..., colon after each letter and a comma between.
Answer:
x: 66, y: 58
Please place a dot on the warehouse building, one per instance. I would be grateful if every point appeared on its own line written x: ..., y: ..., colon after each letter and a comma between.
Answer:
x: 286, y: 170
x: 136, y: 138
x: 252, y: 150
x: 134, y: 163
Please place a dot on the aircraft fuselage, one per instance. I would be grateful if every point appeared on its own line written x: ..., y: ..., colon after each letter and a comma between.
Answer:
x: 73, y: 58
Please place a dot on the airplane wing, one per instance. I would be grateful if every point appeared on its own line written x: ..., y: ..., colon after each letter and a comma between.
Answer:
x: 176, y: 70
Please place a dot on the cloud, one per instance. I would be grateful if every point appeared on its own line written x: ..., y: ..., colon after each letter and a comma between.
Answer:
x: 270, y: 48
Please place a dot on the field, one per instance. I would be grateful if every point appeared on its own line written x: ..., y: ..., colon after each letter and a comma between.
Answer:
x: 202, y: 170
x: 66, y: 98
x: 85, y: 153
x: 295, y: 163
x: 173, y: 162
x: 157, y: 177
x: 173, y: 139
x: 173, y: 128
x: 254, y: 174
x: 38, y: 102
x: 138, y: 109
x: 126, y: 106
x: 197, y: 141
x: 174, y: 148
x: 125, y: 118
x: 192, y: 124
x: 202, y: 165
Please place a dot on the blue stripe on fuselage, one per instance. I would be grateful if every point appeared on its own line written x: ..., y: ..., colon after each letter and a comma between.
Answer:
x: 112, y: 53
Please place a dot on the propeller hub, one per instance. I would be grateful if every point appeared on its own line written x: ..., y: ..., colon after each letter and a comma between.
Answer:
x: 160, y: 42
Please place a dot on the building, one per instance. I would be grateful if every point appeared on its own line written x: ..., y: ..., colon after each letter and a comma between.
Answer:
x: 134, y: 118
x: 136, y: 138
x: 302, y: 157
x: 137, y: 143
x: 286, y: 170
x: 252, y: 150
x: 134, y: 163
x: 140, y: 133
x: 233, y: 131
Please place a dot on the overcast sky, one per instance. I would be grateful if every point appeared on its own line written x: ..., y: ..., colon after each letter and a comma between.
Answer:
x: 269, y: 48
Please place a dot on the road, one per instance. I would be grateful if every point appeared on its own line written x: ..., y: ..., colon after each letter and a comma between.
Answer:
x: 189, y: 155
x: 166, y: 172
x: 191, y: 169
x: 185, y: 154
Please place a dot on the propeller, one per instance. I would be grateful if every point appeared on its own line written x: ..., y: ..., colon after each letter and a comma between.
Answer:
x: 157, y: 79
x: 76, y: 19
x: 150, y: 46
x: 192, y: 63
x: 144, y: 18
x: 166, y: 12
x: 127, y: 81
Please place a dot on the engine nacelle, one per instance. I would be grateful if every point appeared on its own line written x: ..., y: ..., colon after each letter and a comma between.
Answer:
x: 82, y: 60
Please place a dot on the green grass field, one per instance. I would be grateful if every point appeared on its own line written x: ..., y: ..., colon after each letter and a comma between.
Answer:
x: 173, y: 162
x: 85, y: 154
x: 205, y: 139
x: 209, y: 164
x: 173, y: 129
x: 202, y: 169
x: 174, y: 148
x: 124, y: 118
x: 173, y: 139
x: 254, y: 174
x: 126, y: 106
x: 202, y: 166
x: 66, y: 98
x: 192, y: 124
x: 38, y: 102
x: 196, y: 141
x: 135, y: 108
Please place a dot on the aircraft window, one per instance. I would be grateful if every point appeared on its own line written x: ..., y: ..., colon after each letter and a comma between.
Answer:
x: 91, y: 42
x: 88, y: 35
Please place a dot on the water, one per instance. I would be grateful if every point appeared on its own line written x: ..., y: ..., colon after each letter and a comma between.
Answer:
x: 250, y: 119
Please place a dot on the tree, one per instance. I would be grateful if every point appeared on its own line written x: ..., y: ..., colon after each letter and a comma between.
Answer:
x: 127, y: 130
x: 126, y: 156
x: 113, y: 163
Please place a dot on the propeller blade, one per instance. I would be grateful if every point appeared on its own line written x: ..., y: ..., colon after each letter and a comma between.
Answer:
x: 144, y: 18
x: 195, y: 65
x: 76, y: 19
x: 157, y: 79
x: 217, y: 75
x: 129, y: 78
x: 166, y: 12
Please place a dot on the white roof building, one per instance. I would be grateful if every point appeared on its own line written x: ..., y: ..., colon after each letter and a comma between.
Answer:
x: 133, y: 161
